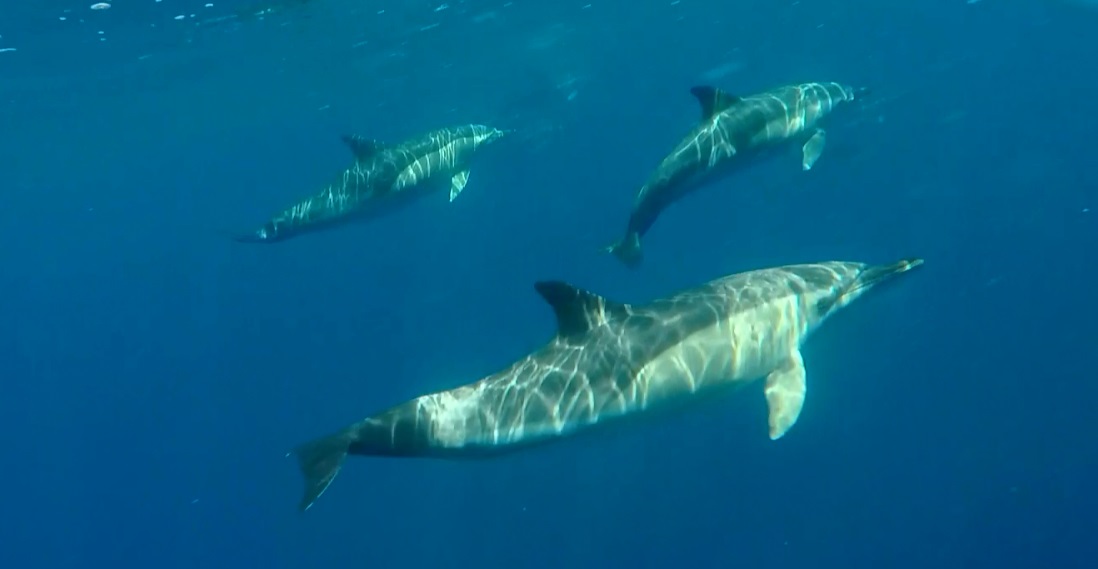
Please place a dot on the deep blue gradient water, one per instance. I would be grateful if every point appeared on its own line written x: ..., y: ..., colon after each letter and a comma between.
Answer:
x: 154, y: 374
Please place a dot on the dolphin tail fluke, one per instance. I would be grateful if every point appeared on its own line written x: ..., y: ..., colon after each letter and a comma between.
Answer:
x: 320, y: 461
x: 628, y: 250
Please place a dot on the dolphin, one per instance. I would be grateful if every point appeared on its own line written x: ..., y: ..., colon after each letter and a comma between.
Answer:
x: 610, y: 360
x: 733, y: 133
x: 383, y: 177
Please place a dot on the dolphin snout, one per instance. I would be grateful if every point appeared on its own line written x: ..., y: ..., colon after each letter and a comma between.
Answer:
x: 253, y: 237
x: 261, y: 235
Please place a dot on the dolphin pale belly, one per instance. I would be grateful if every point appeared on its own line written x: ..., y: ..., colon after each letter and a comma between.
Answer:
x: 609, y: 360
x: 733, y: 133
x: 383, y: 177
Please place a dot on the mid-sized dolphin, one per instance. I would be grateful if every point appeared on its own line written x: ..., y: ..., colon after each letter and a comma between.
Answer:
x: 734, y: 132
x: 610, y: 360
x: 382, y: 178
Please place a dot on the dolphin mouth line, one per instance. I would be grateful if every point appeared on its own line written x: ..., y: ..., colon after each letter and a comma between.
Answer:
x: 874, y: 276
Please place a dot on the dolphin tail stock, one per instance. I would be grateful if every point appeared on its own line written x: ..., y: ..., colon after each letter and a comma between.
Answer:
x: 320, y: 461
x: 628, y: 250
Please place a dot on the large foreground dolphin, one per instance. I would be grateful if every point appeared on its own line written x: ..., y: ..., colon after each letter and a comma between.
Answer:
x: 609, y: 360
x: 734, y: 132
x: 383, y: 177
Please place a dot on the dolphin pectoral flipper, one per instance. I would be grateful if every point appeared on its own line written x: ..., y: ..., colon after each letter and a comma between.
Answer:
x: 785, y: 390
x: 812, y: 149
x: 457, y: 183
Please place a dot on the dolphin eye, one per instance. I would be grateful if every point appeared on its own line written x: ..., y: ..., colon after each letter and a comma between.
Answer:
x: 824, y: 305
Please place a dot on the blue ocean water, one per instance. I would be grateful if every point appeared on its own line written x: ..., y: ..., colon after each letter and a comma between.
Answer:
x: 155, y: 374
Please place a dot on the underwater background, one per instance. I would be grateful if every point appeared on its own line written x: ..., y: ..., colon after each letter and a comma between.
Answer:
x: 155, y: 374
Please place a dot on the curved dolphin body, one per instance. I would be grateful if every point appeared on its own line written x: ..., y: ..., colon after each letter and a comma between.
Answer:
x: 733, y: 133
x: 382, y: 178
x: 610, y: 360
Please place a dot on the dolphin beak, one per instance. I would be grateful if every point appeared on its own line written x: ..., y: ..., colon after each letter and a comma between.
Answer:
x: 253, y: 237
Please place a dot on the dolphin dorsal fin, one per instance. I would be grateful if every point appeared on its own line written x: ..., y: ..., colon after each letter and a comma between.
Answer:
x: 713, y: 100
x: 363, y: 148
x: 578, y: 310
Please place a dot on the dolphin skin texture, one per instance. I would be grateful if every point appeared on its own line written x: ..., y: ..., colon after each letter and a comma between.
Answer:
x: 734, y: 133
x: 383, y: 177
x: 610, y: 360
